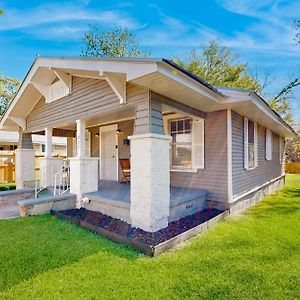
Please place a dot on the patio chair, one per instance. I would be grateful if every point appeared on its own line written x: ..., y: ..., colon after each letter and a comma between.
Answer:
x: 125, y: 167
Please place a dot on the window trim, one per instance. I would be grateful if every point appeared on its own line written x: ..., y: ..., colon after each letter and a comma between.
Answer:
x: 178, y: 117
x: 246, y: 150
x: 181, y: 168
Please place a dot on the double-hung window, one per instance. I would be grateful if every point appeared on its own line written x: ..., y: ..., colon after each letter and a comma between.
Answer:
x: 250, y: 144
x: 181, y: 132
x: 187, y: 146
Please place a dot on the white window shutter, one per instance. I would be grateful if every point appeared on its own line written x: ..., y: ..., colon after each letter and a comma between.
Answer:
x: 245, y: 143
x: 268, y: 144
x: 281, y: 150
x: 255, y: 146
x: 198, y: 144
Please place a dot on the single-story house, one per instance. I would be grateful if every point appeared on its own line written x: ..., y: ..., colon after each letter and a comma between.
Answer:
x: 9, y: 142
x: 190, y: 145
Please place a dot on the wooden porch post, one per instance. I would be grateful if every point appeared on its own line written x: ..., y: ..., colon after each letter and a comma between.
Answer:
x: 81, y: 138
x: 49, y: 165
x: 83, y: 169
x: 48, y: 145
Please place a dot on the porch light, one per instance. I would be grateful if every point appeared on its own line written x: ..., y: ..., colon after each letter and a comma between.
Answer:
x: 118, y: 131
x: 97, y: 135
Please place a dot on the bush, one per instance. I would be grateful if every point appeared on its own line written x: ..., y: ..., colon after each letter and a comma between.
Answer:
x: 7, y: 187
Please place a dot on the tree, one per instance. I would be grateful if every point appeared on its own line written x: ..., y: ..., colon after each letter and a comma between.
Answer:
x: 8, y: 88
x: 281, y: 102
x: 218, y: 66
x: 297, y: 25
x: 1, y: 11
x: 292, y: 149
x: 116, y: 43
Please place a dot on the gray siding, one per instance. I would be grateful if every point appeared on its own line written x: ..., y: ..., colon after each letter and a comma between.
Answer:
x: 244, y: 180
x: 126, y: 128
x: 148, y: 118
x: 95, y: 141
x: 89, y: 98
x: 214, y: 176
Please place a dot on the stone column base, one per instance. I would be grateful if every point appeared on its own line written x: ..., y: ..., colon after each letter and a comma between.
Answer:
x: 83, y: 176
x: 48, y: 167
x: 25, y: 168
x: 150, y: 181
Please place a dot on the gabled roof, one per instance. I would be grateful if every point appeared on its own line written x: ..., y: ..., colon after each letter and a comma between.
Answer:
x: 162, y: 76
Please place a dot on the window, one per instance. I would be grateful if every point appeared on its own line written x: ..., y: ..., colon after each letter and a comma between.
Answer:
x: 281, y: 150
x: 250, y: 144
x: 181, y: 147
x: 187, y: 146
x: 268, y: 144
x: 43, y: 148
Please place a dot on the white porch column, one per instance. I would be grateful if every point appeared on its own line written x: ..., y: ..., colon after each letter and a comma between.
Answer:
x: 25, y: 162
x: 150, y: 181
x: 48, y: 145
x: 83, y: 170
x: 49, y: 165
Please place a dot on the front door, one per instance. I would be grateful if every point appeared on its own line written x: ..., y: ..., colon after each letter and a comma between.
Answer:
x: 108, y: 152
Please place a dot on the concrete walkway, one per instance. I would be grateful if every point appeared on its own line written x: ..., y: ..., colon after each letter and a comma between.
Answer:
x: 9, y: 210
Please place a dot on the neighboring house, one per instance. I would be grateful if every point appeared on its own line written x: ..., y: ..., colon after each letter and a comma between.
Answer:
x: 190, y: 145
x: 9, y: 142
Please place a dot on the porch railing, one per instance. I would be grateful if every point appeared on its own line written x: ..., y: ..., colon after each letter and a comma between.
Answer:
x: 62, y: 180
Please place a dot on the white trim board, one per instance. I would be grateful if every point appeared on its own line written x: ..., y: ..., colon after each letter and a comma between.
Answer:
x: 229, y: 156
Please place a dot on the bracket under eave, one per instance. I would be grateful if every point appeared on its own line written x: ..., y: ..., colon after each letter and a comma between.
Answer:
x: 117, y: 81
x: 19, y: 121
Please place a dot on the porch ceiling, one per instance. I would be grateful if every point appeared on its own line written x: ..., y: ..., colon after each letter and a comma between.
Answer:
x: 119, y: 114
x: 174, y: 89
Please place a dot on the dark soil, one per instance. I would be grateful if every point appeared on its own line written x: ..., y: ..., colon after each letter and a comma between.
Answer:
x: 122, y: 228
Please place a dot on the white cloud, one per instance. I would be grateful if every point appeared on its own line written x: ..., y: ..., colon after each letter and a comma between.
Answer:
x: 53, y: 13
x: 269, y: 30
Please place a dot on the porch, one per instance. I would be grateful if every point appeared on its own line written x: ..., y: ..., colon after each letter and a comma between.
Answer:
x: 113, y: 198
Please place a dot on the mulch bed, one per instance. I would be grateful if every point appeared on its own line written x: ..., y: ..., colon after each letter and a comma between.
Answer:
x: 135, y: 234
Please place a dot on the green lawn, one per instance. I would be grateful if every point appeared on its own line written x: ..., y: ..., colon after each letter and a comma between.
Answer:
x: 254, y: 256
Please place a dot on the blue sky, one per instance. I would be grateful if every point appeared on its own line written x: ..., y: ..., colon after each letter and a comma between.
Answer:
x: 262, y: 32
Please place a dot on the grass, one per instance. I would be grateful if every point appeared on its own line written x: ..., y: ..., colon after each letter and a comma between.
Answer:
x: 253, y: 256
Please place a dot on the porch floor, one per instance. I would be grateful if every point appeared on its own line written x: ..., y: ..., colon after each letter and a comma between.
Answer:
x: 115, y: 191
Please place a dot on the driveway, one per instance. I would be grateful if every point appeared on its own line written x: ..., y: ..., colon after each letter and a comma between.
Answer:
x: 9, y: 210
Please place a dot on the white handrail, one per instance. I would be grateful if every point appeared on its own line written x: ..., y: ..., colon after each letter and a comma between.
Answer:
x: 37, y: 189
